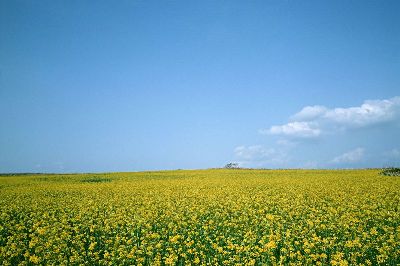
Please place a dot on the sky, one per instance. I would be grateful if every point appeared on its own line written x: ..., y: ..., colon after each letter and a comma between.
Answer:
x: 101, y: 86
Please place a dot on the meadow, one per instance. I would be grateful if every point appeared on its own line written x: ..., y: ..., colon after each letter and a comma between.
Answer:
x: 201, y: 217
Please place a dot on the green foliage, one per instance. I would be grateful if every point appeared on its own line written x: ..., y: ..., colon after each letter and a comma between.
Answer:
x: 96, y: 180
x: 392, y: 171
x: 232, y: 166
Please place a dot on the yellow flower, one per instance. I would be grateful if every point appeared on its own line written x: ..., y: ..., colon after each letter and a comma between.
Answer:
x: 270, y: 245
x: 34, y: 259
x: 170, y: 260
x: 92, y: 246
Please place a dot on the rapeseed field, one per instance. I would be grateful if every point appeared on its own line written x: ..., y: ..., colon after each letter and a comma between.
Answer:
x: 201, y: 217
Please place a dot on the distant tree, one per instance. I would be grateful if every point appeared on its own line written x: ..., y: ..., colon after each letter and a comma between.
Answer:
x: 232, y: 166
x: 391, y: 171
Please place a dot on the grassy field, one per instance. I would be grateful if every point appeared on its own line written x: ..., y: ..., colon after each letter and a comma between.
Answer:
x: 205, y: 217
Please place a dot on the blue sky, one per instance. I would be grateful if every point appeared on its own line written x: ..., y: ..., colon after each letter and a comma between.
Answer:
x: 138, y: 85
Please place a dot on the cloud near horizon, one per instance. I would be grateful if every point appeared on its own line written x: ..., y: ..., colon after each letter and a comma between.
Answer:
x: 334, y: 138
x: 314, y: 121
x: 352, y: 156
x: 259, y: 156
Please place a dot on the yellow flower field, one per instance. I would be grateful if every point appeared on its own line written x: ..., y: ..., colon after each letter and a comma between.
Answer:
x: 204, y: 217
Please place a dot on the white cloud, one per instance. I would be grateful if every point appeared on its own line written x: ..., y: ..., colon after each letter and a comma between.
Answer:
x: 298, y: 129
x: 309, y: 113
x: 370, y: 112
x: 259, y: 156
x: 255, y: 152
x: 352, y: 156
x: 313, y: 121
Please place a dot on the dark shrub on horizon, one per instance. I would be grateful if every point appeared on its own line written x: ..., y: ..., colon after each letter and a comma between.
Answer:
x: 392, y: 171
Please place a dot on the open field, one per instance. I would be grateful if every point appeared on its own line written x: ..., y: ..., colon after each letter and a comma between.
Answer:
x: 205, y: 217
